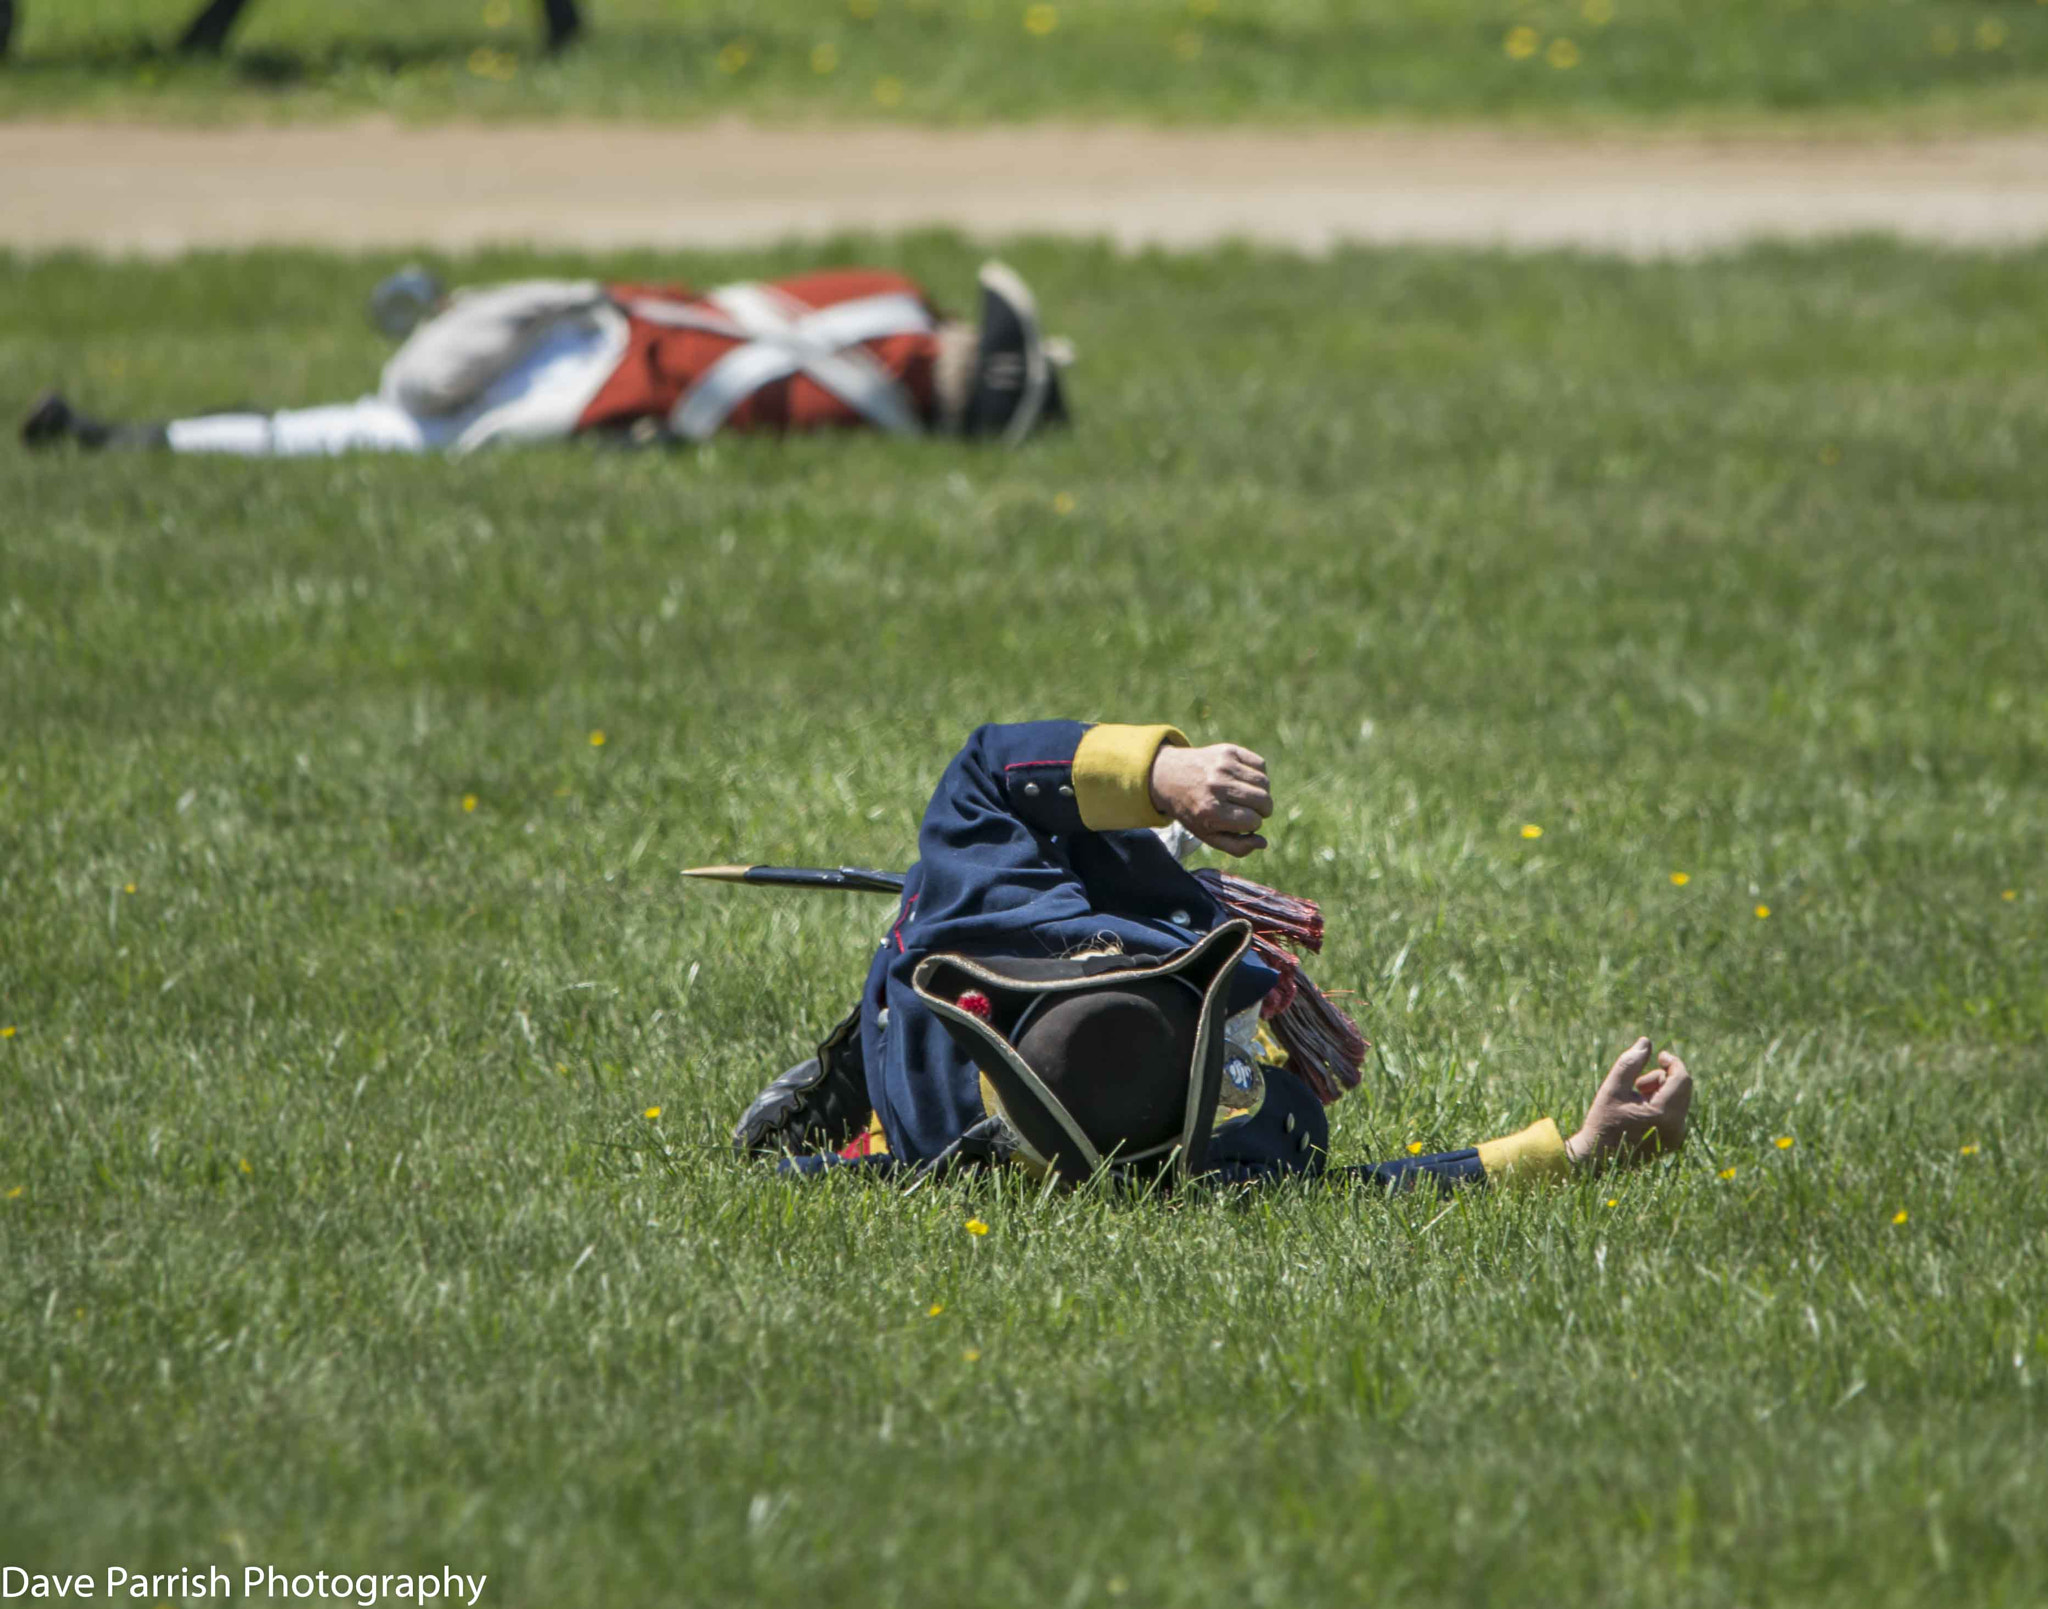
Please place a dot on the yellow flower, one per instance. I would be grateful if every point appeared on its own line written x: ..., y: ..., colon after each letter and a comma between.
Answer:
x: 1521, y: 42
x: 1415, y: 1148
x: 824, y: 58
x: 1762, y: 911
x: 971, y: 1355
x: 127, y: 888
x: 1990, y: 34
x: 1970, y: 1149
x: 1064, y: 503
x: 597, y: 740
x: 935, y: 1310
x: 244, y: 1165
x: 1562, y: 54
x: 469, y: 801
x: 7, y: 1032
x: 734, y: 57
x: 15, y: 1193
x: 1727, y: 1173
x: 1613, y: 1201
x: 651, y: 1113
x: 976, y: 1227
x: 1680, y: 879
x: 1598, y: 12
x: 1531, y: 830
x: 561, y: 1067
x: 888, y: 92
x: 2010, y: 893
x: 1040, y: 20
x: 1899, y: 1217
x: 1783, y: 1142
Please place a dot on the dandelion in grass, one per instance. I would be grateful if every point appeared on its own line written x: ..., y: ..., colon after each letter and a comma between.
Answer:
x: 1680, y: 879
x: 1783, y: 1142
x: 976, y: 1227
x: 1727, y: 1173
x: 244, y: 1165
x: 1970, y: 1149
x: 15, y: 1193
x: 1613, y: 1201
x: 1563, y: 54
x: 1521, y: 43
x: 1531, y: 830
x: 971, y: 1355
x: 1063, y: 503
x: 935, y: 1310
x: 7, y: 1032
x: 597, y: 740
x: 1415, y: 1148
x: 824, y: 58
x: 127, y: 888
x: 651, y: 1113
x: 468, y: 802
x: 2010, y: 893
x: 1990, y: 34
x: 1900, y: 1216
x: 1762, y: 911
x: 1040, y: 20
x: 888, y: 92
x: 734, y: 57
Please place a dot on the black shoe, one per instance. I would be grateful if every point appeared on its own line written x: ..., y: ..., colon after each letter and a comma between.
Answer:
x: 1016, y: 382
x: 817, y: 1105
x: 49, y: 422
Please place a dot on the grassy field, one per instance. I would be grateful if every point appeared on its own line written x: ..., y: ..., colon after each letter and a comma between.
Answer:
x: 1818, y: 62
x: 363, y: 1195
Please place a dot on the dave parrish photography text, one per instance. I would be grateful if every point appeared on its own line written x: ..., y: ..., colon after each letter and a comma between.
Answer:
x: 251, y: 1581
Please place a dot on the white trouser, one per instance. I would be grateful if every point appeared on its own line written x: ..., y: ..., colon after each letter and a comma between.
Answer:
x: 539, y: 398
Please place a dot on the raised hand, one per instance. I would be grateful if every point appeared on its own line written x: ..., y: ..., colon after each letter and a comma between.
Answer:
x: 1219, y: 793
x: 1638, y: 1112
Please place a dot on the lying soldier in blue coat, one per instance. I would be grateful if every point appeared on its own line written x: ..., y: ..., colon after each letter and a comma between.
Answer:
x: 1058, y: 992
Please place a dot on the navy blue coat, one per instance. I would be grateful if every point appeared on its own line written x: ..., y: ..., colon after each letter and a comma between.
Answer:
x: 1007, y: 867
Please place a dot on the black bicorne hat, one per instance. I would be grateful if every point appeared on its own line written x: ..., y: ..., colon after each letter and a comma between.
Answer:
x: 1103, y: 1060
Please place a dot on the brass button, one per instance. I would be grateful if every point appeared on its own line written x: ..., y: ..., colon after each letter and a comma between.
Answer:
x: 1031, y: 790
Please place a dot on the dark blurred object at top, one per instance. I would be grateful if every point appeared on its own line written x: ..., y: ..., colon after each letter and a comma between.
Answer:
x: 208, y: 32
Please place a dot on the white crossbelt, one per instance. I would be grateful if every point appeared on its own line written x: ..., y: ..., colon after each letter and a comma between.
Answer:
x: 781, y: 337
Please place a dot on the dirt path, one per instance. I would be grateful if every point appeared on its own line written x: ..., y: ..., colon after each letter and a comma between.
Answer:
x: 128, y: 188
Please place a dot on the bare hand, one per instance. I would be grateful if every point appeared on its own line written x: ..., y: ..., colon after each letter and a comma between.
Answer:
x: 1638, y: 1111
x: 1220, y: 794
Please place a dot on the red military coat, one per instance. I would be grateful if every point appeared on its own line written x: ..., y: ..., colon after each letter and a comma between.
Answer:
x: 797, y: 372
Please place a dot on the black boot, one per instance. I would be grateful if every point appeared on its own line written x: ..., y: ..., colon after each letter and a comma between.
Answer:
x: 53, y: 420
x: 817, y: 1105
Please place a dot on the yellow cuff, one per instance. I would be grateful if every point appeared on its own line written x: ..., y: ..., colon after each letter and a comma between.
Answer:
x: 1536, y: 1153
x: 1113, y: 775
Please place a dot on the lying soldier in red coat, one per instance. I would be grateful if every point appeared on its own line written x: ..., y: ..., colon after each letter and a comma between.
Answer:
x: 540, y: 360
x: 1058, y: 992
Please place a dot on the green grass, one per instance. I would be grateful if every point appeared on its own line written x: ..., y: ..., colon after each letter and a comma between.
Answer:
x: 332, y: 1232
x: 1860, y: 63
